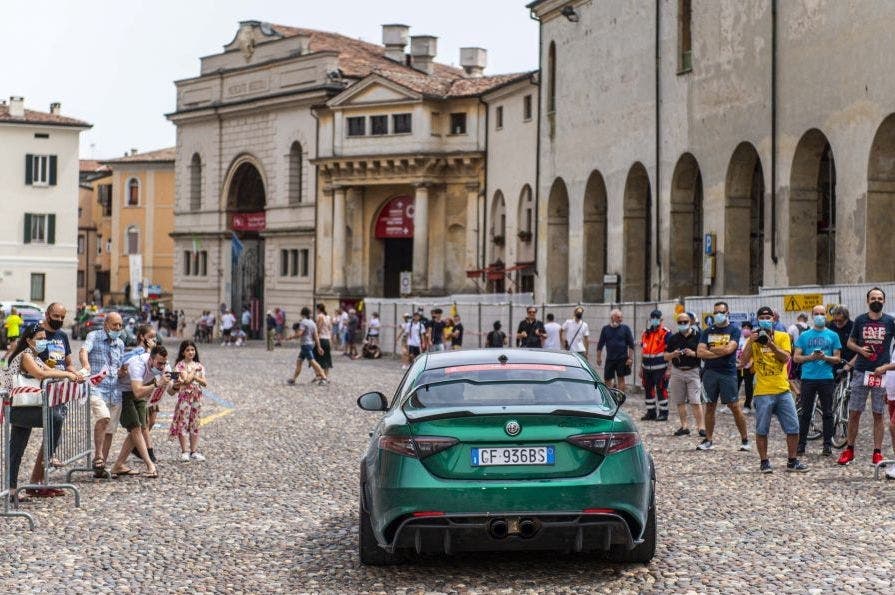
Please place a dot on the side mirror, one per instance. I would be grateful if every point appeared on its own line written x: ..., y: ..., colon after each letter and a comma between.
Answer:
x: 374, y: 401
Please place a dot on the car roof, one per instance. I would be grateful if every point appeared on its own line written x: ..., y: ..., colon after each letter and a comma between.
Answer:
x: 468, y: 357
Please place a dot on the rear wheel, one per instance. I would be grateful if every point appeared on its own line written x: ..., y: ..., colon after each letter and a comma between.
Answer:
x: 368, y: 549
x: 643, y: 552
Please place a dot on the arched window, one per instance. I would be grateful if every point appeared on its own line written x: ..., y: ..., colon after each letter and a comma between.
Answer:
x: 196, y: 183
x: 133, y: 192
x: 551, y: 78
x: 133, y: 240
x: 295, y: 174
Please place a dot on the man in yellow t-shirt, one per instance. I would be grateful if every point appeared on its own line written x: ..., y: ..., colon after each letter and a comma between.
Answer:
x: 769, y: 352
x: 12, y: 324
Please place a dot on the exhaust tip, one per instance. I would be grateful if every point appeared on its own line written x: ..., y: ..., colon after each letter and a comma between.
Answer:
x: 498, y: 528
x: 527, y: 528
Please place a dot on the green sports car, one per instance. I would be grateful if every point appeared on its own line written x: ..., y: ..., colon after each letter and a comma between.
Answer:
x: 504, y: 449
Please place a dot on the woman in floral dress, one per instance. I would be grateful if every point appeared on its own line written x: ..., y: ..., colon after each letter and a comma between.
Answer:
x: 188, y: 387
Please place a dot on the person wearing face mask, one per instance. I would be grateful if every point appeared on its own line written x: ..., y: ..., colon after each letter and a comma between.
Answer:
x: 23, y: 419
x: 103, y: 349
x: 618, y: 340
x: 817, y: 350
x: 717, y: 349
x: 654, y: 368
x: 575, y: 334
x: 841, y: 323
x: 770, y: 350
x: 684, y: 383
x: 745, y: 374
x: 145, y: 341
x: 871, y: 339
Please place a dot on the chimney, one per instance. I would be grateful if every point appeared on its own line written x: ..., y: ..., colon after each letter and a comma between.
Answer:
x: 473, y: 61
x: 394, y: 38
x: 133, y: 151
x: 17, y: 107
x: 422, y: 52
x: 55, y: 108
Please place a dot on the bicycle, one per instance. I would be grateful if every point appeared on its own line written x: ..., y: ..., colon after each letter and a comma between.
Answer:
x: 841, y: 396
x: 815, y: 429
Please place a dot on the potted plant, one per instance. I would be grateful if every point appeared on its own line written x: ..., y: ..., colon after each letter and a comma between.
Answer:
x: 498, y: 240
x: 525, y: 236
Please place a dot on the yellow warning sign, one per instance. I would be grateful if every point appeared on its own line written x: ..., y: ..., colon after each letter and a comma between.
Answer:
x: 799, y: 302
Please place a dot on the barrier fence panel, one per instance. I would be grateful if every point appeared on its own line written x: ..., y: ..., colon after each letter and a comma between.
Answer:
x: 853, y: 296
x: 67, y: 445
x: 8, y: 507
x: 743, y: 307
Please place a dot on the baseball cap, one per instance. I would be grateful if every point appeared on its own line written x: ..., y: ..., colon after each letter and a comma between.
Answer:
x: 655, y: 314
x: 764, y: 311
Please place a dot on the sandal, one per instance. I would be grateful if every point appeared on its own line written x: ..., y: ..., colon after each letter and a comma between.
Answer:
x: 126, y: 472
x: 99, y: 463
x: 147, y: 475
x: 54, y: 462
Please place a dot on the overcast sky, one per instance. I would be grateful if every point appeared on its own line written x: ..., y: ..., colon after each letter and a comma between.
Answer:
x: 113, y: 63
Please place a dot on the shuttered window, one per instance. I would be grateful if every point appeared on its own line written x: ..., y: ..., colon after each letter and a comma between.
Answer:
x: 40, y: 170
x: 40, y: 228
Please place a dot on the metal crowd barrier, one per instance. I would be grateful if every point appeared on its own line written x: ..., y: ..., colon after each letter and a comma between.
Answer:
x: 8, y: 510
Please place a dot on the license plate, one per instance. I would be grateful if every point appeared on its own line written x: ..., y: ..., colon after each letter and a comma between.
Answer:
x: 513, y: 455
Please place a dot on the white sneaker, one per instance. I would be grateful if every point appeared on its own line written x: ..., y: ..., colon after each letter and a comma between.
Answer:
x: 890, y: 471
x: 184, y: 457
x: 197, y: 456
x: 745, y: 446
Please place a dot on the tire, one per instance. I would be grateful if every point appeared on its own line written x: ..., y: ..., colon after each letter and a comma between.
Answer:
x: 367, y: 548
x: 840, y: 416
x: 644, y: 552
x: 816, y: 425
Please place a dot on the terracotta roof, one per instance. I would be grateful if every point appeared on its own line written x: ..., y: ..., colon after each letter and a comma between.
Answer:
x: 160, y: 155
x: 358, y: 59
x: 91, y: 166
x: 41, y: 118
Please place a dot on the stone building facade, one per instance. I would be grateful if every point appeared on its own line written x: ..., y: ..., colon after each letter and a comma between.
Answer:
x: 767, y: 126
x: 305, y: 157
x: 94, y: 232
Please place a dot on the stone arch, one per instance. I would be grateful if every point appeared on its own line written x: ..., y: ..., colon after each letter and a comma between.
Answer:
x: 525, y: 222
x: 811, y: 250
x: 744, y: 191
x: 595, y: 237
x: 558, y: 243
x: 880, y: 241
x: 637, y: 229
x: 685, y: 246
x: 498, y: 226
x: 245, y: 184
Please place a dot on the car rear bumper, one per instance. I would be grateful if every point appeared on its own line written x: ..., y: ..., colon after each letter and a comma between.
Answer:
x: 563, y: 531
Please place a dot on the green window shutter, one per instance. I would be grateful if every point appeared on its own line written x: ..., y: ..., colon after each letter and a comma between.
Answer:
x: 51, y: 229
x: 29, y: 173
x: 52, y: 171
x: 27, y: 228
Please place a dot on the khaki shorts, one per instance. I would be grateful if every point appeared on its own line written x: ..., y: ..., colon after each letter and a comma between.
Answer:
x: 98, y: 408
x: 114, y: 418
x: 684, y: 387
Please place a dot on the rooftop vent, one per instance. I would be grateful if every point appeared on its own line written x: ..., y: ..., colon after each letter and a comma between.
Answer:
x: 474, y: 61
x: 394, y: 38
x: 55, y: 108
x: 423, y: 49
x: 17, y: 106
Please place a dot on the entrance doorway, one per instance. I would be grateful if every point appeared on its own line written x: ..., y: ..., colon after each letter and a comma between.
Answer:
x: 247, y: 283
x: 398, y: 258
x: 246, y: 201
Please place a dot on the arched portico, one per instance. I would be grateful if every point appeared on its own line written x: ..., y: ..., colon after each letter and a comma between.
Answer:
x: 558, y: 243
x: 685, y: 249
x: 744, y: 205
x: 595, y: 234
x: 637, y: 228
x: 880, y: 239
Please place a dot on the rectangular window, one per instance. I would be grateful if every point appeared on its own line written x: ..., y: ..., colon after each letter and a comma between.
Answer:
x: 284, y: 263
x: 37, y: 287
x: 293, y: 263
x: 35, y: 228
x: 133, y: 241
x: 357, y: 126
x: 528, y: 220
x: 81, y: 244
x: 303, y: 262
x: 458, y: 123
x: 40, y: 170
x: 498, y: 117
x: 436, y: 124
x: 401, y: 124
x: 80, y: 278
x: 104, y: 192
x: 684, y: 40
x: 187, y: 263
x: 378, y: 125
x: 99, y: 245
x: 526, y: 108
x: 203, y: 263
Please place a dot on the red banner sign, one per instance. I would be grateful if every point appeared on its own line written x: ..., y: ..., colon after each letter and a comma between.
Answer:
x: 396, y: 219
x: 249, y: 221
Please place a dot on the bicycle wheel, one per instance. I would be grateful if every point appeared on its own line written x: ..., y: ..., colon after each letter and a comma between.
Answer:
x: 816, y: 427
x: 840, y: 414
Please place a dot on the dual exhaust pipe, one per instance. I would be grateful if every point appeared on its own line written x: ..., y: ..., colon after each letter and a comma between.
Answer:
x: 525, y: 528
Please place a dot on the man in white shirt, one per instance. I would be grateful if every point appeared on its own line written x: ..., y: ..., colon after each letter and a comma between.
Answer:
x: 415, y: 333
x: 553, y: 330
x: 373, y: 329
x: 228, y: 320
x: 575, y: 333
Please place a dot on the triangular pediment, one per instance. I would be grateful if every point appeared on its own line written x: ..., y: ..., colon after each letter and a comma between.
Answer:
x: 374, y: 89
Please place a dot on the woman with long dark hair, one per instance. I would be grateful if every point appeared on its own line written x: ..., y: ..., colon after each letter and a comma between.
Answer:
x: 23, y: 419
x: 189, y: 380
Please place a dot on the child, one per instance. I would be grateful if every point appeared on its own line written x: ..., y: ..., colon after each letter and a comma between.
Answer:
x: 188, y: 387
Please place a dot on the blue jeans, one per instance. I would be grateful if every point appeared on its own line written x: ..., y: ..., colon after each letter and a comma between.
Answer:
x: 782, y: 405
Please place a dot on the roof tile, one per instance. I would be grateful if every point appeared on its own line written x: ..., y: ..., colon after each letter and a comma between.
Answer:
x: 33, y: 117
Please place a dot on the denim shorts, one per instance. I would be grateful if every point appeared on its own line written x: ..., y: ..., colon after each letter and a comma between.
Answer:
x: 306, y: 352
x: 782, y: 405
x: 719, y: 384
x: 859, y: 392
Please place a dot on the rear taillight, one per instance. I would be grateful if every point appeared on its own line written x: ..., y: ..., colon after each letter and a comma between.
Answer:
x: 418, y: 447
x: 606, y: 443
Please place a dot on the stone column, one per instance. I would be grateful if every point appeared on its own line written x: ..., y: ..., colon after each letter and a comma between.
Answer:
x: 421, y: 239
x: 338, y: 252
x: 472, y: 226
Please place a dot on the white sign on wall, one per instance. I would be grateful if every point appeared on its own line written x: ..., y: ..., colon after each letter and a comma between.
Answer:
x: 406, y: 282
x: 136, y: 276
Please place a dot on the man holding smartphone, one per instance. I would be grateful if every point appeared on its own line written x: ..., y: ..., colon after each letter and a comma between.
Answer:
x: 818, y: 350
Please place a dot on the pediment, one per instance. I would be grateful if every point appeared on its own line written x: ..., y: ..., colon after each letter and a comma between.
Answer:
x: 374, y: 89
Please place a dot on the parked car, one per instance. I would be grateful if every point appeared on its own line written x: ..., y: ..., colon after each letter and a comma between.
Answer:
x: 504, y: 449
x: 29, y: 311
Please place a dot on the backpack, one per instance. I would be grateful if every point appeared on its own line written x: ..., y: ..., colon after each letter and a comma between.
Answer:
x: 495, y: 339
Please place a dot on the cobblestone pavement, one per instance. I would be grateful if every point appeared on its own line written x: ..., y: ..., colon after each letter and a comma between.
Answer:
x: 274, y: 510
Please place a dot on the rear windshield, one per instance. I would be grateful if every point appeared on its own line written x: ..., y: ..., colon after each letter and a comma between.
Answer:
x: 504, y: 385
